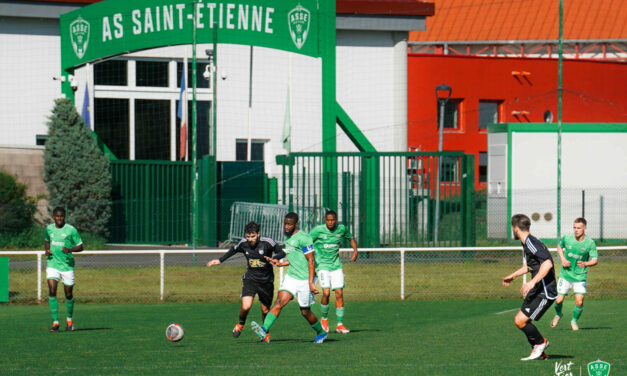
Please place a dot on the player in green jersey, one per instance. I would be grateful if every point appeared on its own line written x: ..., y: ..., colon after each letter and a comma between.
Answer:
x: 577, y: 253
x: 327, y: 239
x: 61, y: 240
x: 298, y: 283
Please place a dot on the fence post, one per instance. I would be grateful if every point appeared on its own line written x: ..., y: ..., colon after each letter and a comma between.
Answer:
x: 39, y: 277
x: 162, y: 273
x: 402, y: 274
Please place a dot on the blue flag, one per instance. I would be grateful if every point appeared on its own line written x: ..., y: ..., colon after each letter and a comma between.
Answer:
x: 85, y: 113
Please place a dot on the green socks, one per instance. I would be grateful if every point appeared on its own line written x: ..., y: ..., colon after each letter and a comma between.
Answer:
x: 558, y: 309
x: 54, y: 308
x: 325, y: 311
x: 317, y: 327
x: 267, y: 323
x: 339, y: 312
x: 69, y: 304
x: 577, y: 312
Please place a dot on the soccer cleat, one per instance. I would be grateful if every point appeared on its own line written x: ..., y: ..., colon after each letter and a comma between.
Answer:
x: 237, y: 330
x: 325, y: 324
x: 555, y: 321
x: 321, y: 337
x: 543, y: 356
x: 537, y: 351
x: 55, y: 327
x: 70, y: 326
x: 340, y: 328
x: 260, y: 331
x: 574, y: 326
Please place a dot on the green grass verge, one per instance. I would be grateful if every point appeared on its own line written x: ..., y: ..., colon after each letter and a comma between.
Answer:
x: 433, y: 278
x: 387, y: 338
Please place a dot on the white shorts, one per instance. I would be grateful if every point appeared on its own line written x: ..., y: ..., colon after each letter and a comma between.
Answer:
x: 331, y: 279
x: 299, y: 290
x: 563, y: 286
x: 67, y: 278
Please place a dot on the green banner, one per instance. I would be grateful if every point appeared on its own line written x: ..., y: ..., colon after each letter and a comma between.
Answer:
x: 114, y: 27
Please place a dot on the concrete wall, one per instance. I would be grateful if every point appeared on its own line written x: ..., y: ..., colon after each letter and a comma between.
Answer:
x: 27, y: 164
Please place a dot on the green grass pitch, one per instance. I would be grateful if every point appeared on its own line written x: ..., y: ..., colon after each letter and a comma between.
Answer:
x: 475, y: 337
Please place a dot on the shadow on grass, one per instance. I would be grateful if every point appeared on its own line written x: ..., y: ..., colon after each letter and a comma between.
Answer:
x: 89, y: 329
x: 598, y: 328
x: 365, y: 330
x: 557, y: 356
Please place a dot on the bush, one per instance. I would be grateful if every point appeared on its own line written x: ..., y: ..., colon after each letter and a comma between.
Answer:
x: 76, y: 172
x: 16, y: 209
x: 32, y: 238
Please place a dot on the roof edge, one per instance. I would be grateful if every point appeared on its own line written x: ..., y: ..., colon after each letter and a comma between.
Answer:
x: 385, y: 7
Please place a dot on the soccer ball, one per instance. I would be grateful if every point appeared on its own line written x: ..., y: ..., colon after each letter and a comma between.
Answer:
x: 174, y: 332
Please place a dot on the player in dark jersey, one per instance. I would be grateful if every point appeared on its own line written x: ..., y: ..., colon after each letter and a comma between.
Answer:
x: 259, y: 276
x: 539, y: 292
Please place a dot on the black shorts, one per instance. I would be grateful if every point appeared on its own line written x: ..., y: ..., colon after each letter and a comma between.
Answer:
x: 265, y: 291
x: 535, y: 305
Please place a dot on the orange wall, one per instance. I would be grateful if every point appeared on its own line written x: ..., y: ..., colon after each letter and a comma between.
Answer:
x: 593, y: 92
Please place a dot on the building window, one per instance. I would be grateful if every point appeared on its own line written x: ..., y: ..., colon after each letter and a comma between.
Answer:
x: 111, y: 72
x: 111, y: 123
x: 483, y: 167
x: 451, y: 114
x: 256, y: 150
x: 241, y: 150
x: 40, y: 139
x: 201, y: 82
x: 151, y: 73
x: 450, y: 170
x: 203, y: 109
x: 488, y: 113
x: 152, y: 129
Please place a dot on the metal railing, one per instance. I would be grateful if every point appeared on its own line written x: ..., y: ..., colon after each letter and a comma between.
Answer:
x: 424, y: 273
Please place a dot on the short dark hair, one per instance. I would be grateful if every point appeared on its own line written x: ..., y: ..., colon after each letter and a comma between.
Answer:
x: 58, y: 209
x: 521, y: 221
x: 293, y: 216
x: 581, y: 220
x: 330, y: 212
x: 252, y: 227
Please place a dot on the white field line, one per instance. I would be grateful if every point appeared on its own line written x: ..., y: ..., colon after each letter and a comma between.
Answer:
x: 509, y: 310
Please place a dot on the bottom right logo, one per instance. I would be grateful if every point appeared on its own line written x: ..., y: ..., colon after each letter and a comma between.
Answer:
x: 598, y: 368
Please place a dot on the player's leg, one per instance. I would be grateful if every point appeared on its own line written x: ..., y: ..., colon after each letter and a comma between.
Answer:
x: 68, y: 286
x: 325, y: 285
x: 305, y: 301
x: 265, y: 291
x: 337, y: 285
x: 579, y: 289
x: 533, y: 308
x: 283, y: 297
x: 53, y: 276
x: 563, y: 286
x: 247, y: 303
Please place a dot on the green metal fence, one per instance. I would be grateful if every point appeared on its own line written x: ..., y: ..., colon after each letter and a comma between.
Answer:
x: 388, y: 199
x: 151, y: 202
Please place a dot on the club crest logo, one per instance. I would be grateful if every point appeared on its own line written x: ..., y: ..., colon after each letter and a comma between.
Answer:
x: 79, y: 36
x: 298, y: 20
x: 598, y: 368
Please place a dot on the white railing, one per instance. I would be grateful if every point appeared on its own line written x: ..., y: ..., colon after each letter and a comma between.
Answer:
x: 163, y: 252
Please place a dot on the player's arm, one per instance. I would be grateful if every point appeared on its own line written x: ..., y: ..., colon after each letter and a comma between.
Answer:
x: 545, y: 267
x: 223, y: 258
x: 591, y: 262
x: 278, y: 252
x: 311, y: 263
x: 355, y: 252
x: 564, y: 260
x: 276, y: 262
x: 77, y: 241
x: 523, y: 270
x: 47, y: 247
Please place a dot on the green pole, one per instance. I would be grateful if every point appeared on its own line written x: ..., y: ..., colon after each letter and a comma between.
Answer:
x: 327, y: 52
x: 559, y: 120
x: 194, y: 161
x: 214, y: 104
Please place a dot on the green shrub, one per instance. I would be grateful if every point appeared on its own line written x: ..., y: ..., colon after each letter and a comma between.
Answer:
x: 16, y: 208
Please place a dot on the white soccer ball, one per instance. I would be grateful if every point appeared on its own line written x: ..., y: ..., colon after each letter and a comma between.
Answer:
x: 174, y: 332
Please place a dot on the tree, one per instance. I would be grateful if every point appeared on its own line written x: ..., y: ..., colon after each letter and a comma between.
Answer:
x: 76, y: 171
x: 16, y: 209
